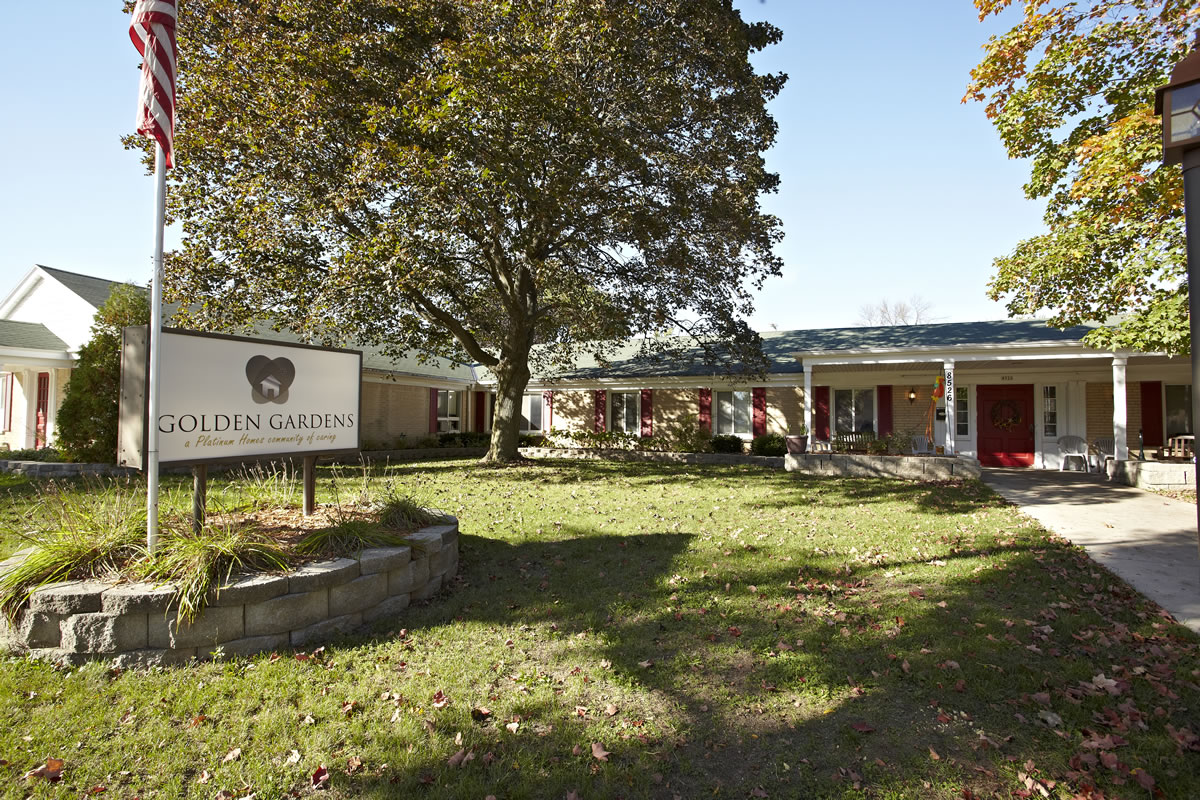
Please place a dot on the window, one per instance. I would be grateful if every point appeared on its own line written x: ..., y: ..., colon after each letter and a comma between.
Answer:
x: 531, y: 413
x: 449, y: 417
x: 962, y: 413
x: 734, y: 413
x: 1179, y: 409
x: 623, y: 414
x: 854, y: 410
x: 1050, y: 411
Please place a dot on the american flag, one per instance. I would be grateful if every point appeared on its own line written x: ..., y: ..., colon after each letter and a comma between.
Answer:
x: 153, y: 34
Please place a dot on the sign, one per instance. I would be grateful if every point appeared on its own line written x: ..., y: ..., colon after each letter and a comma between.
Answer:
x: 230, y: 398
x: 950, y: 387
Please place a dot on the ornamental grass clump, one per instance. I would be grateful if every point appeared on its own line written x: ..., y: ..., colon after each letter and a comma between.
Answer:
x: 79, y: 534
x: 197, y: 564
x: 402, y: 512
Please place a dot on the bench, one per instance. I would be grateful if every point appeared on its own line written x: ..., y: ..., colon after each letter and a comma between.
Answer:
x: 852, y: 442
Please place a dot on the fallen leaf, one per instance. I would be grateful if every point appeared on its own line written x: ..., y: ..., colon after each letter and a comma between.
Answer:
x: 50, y: 771
x: 353, y: 765
x: 320, y: 778
x: 599, y: 752
x: 204, y: 776
x: 440, y: 700
x: 645, y: 664
x: 576, y: 750
x: 862, y: 727
x: 457, y: 759
x: 480, y: 713
x: 512, y: 726
x: 610, y: 710
x: 293, y: 757
x: 197, y: 720
x: 232, y: 755
x: 758, y: 791
x: 934, y: 755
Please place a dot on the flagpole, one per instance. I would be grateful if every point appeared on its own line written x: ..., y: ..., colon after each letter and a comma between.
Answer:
x: 160, y: 211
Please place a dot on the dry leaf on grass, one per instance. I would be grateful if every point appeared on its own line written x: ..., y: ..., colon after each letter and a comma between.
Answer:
x: 50, y: 771
x: 599, y: 752
x: 232, y: 755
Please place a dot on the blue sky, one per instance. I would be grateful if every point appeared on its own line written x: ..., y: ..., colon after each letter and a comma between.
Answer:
x: 890, y: 186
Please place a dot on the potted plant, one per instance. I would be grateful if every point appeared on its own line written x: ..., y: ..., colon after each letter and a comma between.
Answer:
x: 797, y: 443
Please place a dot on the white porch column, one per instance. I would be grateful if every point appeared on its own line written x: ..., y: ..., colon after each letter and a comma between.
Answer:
x: 808, y: 420
x: 1120, y: 416
x: 951, y: 428
x: 29, y: 424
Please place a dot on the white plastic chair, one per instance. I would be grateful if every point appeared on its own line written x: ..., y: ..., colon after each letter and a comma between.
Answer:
x: 921, y: 446
x: 1073, y: 447
x: 1105, y: 449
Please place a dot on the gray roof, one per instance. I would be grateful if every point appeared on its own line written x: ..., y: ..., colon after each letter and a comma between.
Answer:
x: 29, y: 336
x: 94, y: 290
x: 781, y: 347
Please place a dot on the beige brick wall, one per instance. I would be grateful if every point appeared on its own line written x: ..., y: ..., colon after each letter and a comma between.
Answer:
x: 670, y: 405
x: 1100, y: 411
x: 392, y: 409
x: 911, y: 418
x: 574, y: 410
x: 785, y: 409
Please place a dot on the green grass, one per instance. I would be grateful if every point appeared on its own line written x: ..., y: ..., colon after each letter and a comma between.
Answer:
x: 752, y: 633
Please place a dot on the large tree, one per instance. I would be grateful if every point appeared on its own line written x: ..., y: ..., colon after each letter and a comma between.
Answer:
x: 1071, y: 87
x: 467, y: 179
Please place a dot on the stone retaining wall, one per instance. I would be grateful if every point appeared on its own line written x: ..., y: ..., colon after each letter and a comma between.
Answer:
x: 647, y: 455
x: 913, y: 468
x: 59, y: 469
x: 1161, y: 475
x: 131, y: 624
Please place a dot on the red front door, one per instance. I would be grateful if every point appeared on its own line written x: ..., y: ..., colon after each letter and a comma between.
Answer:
x: 1005, y: 425
x: 43, y: 409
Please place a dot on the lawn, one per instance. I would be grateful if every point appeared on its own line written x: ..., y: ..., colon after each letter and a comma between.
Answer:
x: 636, y: 630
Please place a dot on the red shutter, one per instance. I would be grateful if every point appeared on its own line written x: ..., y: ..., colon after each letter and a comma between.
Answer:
x: 1152, y: 414
x: 883, y: 395
x: 821, y: 426
x: 548, y: 410
x: 706, y: 410
x: 601, y: 400
x: 480, y: 408
x: 43, y: 410
x: 433, y: 410
x: 758, y: 396
x: 647, y: 412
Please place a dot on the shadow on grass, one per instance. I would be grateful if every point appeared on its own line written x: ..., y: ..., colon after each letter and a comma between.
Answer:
x: 808, y: 681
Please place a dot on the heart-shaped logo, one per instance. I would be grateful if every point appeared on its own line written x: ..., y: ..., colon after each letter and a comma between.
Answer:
x: 270, y: 379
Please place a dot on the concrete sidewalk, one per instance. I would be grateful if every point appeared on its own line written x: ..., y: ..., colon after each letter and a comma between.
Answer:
x: 1147, y: 539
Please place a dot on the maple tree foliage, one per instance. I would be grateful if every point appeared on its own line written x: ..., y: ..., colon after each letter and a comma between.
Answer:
x: 467, y: 180
x: 1071, y: 87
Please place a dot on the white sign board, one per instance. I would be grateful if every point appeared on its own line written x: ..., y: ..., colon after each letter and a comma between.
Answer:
x: 224, y: 398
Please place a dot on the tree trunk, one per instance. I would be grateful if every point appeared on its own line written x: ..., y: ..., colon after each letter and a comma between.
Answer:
x: 512, y: 376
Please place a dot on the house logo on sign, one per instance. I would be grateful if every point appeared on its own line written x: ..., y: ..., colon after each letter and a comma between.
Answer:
x: 269, y: 379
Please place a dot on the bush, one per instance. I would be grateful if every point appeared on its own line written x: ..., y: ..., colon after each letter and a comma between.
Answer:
x: 464, y: 439
x: 46, y: 454
x: 686, y: 436
x: 728, y: 444
x: 87, y: 419
x: 770, y: 444
x: 532, y: 440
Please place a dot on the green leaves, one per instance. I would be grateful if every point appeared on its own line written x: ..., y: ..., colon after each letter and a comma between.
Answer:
x: 1072, y: 87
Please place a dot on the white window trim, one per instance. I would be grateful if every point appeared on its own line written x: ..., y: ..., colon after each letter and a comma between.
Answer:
x: 833, y: 390
x: 967, y: 417
x: 608, y: 413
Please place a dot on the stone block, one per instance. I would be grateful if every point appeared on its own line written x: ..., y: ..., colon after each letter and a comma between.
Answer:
x: 71, y: 597
x: 246, y: 589
x: 431, y: 587
x: 137, y: 598
x: 359, y: 594
x: 35, y: 629
x: 383, y: 559
x: 439, y: 562
x: 322, y: 575
x: 58, y: 655
x: 427, y: 540
x: 400, y: 581
x: 104, y: 633
x: 135, y: 659
x: 326, y: 629
x: 388, y: 609
x: 449, y: 533
x: 213, y: 626
x: 420, y: 572
x: 286, y: 612
x: 250, y: 645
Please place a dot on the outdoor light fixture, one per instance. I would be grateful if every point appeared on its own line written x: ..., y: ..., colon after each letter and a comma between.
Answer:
x: 912, y: 395
x: 1178, y: 103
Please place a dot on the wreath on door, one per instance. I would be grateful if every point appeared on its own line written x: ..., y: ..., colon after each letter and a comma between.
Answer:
x: 1006, y: 416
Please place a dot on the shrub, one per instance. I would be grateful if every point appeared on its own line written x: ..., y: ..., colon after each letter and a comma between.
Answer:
x: 686, y: 436
x: 87, y: 419
x: 532, y: 440
x: 402, y: 512
x: 46, y: 454
x: 728, y: 444
x: 464, y: 439
x: 770, y: 444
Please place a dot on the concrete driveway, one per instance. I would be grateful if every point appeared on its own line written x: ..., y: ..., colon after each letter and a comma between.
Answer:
x: 1147, y: 539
